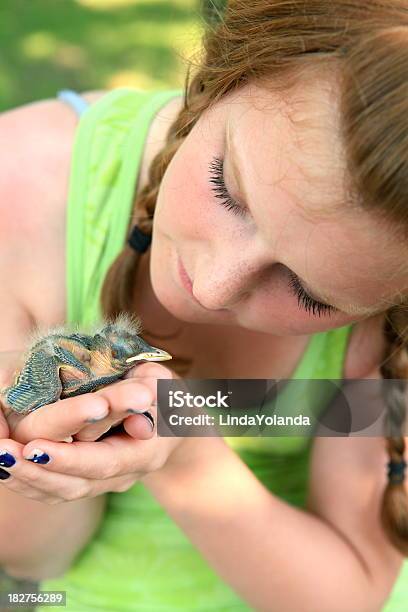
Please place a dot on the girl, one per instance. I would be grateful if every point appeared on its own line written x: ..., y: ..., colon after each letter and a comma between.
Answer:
x: 256, y: 223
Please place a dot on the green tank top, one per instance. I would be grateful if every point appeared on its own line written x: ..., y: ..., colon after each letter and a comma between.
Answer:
x: 139, y: 559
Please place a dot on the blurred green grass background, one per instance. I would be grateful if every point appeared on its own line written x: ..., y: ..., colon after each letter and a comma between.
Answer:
x: 47, y: 45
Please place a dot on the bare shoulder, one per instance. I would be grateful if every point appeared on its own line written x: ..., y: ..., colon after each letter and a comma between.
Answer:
x: 365, y: 348
x: 37, y: 141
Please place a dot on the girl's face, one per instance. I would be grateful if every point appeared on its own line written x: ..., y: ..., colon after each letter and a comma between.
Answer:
x: 240, y: 243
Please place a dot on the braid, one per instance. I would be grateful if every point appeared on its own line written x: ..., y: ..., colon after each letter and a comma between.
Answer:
x: 119, y: 284
x: 394, y: 510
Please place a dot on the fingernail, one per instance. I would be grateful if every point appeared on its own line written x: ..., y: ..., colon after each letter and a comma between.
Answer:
x: 144, y: 413
x: 6, y: 459
x: 38, y: 456
x: 97, y: 416
x: 150, y: 418
x: 3, y: 474
x: 96, y: 419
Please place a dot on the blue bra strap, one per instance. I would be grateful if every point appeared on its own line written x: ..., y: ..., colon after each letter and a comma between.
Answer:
x: 73, y: 99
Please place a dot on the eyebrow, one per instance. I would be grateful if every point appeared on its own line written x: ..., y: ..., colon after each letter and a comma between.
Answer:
x: 349, y: 309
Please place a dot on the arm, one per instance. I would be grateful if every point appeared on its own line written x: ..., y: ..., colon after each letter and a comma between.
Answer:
x: 276, y: 557
x: 40, y: 540
x: 37, y: 540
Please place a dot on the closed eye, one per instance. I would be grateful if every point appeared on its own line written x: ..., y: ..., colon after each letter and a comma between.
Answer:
x: 305, y: 300
x: 220, y: 189
x: 221, y: 192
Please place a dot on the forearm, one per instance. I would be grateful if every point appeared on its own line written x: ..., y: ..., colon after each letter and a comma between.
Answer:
x: 40, y: 541
x: 276, y: 557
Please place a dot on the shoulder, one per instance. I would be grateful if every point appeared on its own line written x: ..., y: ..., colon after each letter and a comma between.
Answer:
x: 37, y: 141
x: 366, y: 346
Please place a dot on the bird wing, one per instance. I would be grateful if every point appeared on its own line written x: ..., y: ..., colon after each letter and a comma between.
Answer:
x: 37, y: 384
x: 54, y: 365
x: 74, y: 359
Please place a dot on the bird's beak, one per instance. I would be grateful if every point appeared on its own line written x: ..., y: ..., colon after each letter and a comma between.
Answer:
x: 155, y: 355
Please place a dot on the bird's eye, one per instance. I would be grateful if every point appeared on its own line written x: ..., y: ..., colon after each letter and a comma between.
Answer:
x: 114, y: 354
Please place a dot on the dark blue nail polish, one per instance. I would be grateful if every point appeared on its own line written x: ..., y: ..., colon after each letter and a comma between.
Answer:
x: 43, y: 458
x: 150, y: 419
x: 6, y: 459
x: 3, y: 474
x: 146, y: 415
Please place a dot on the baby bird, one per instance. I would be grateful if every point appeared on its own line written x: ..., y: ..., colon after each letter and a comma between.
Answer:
x: 59, y: 364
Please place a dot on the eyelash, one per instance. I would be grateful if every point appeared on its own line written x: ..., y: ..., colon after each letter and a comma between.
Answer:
x: 304, y: 299
x: 220, y: 190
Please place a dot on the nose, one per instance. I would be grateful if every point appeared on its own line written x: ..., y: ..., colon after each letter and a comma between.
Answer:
x: 225, y: 284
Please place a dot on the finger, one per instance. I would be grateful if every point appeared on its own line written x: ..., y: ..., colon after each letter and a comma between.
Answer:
x: 91, y: 433
x: 128, y: 395
x: 60, y: 419
x: 116, y: 455
x: 119, y: 484
x: 149, y: 370
x: 10, y: 453
x: 139, y: 427
x: 27, y: 478
x: 149, y: 373
x: 30, y: 480
x: 124, y: 398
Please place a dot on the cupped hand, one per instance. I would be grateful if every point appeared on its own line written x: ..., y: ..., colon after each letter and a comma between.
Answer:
x: 84, y: 417
x: 60, y: 472
x: 64, y: 472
